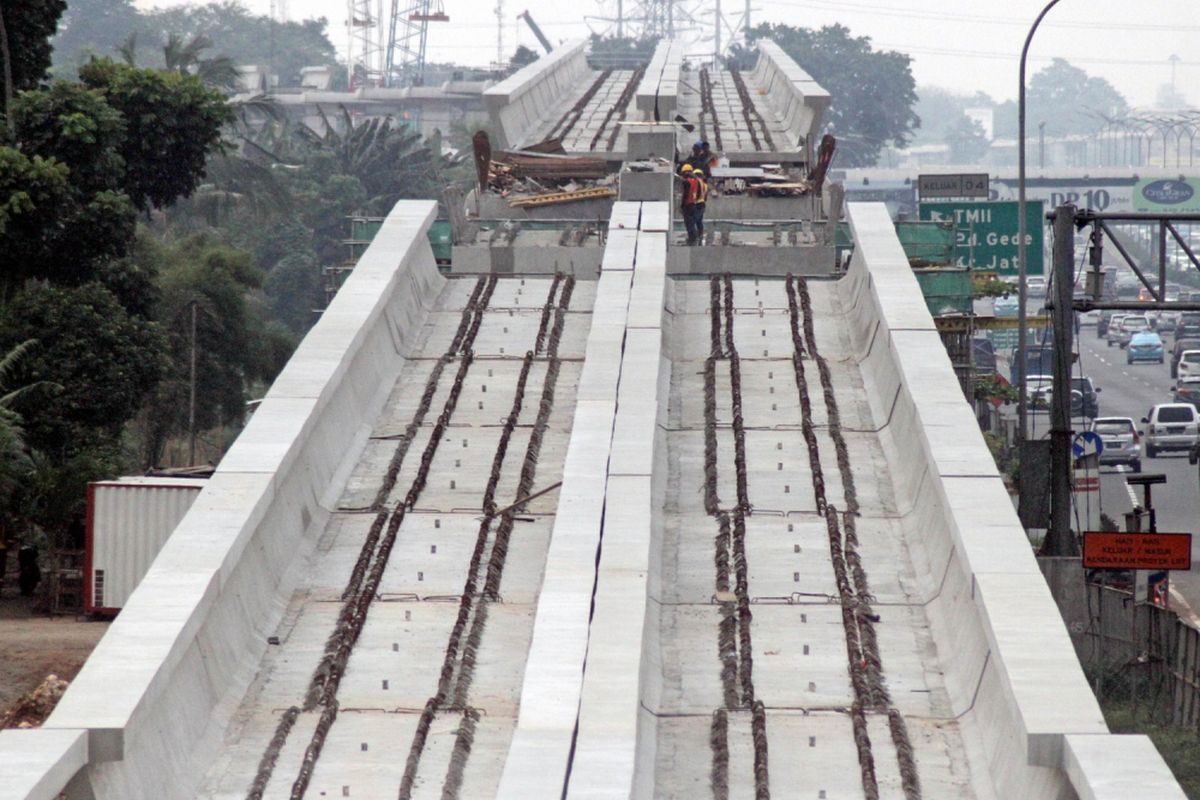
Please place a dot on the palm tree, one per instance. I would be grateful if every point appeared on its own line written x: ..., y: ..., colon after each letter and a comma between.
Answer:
x: 16, y: 466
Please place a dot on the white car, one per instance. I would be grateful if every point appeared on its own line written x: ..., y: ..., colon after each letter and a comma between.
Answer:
x: 1122, y: 443
x: 1134, y: 323
x: 1114, y: 327
x: 1039, y: 389
x: 1189, y: 364
x: 1171, y: 426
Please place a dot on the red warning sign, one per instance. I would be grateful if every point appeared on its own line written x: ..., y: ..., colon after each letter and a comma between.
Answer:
x: 1116, y: 550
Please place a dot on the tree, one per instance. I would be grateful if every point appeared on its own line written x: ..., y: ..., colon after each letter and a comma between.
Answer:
x: 92, y: 28
x: 522, y: 57
x: 968, y: 141
x: 1066, y: 98
x: 172, y: 122
x: 105, y: 360
x: 247, y: 38
x: 234, y: 345
x: 873, y: 91
x: 28, y: 27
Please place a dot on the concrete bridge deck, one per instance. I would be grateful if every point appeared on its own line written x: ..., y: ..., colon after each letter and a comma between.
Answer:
x: 772, y: 558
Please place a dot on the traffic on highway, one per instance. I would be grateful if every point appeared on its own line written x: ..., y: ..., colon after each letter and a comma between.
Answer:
x: 1136, y: 383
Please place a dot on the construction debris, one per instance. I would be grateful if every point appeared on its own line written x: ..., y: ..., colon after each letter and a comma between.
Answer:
x: 563, y: 197
x: 32, y: 709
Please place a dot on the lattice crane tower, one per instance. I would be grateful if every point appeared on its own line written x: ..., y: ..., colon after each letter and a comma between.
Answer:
x: 408, y: 32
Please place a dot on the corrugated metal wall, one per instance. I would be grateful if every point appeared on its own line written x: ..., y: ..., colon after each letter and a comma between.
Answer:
x: 130, y: 523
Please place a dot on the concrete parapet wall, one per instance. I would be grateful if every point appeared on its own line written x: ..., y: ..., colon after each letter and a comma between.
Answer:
x: 581, y: 728
x: 793, y: 95
x: 1012, y: 672
x: 160, y: 688
x: 516, y: 104
x: 657, y: 95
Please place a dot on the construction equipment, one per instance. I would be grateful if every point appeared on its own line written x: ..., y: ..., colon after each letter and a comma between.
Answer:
x: 537, y: 32
x: 408, y: 33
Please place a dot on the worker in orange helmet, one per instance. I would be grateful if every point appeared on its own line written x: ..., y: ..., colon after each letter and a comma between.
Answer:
x: 687, y: 201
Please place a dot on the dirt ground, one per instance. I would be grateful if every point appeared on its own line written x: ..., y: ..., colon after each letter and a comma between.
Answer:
x: 33, y: 646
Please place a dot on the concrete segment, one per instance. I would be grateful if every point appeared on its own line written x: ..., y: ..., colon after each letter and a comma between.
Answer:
x: 517, y: 103
x: 797, y: 99
x: 1117, y: 768
x: 38, y: 764
x: 189, y: 639
x: 1014, y: 672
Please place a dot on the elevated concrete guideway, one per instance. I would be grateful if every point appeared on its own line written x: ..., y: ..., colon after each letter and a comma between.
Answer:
x: 674, y: 614
x: 625, y: 533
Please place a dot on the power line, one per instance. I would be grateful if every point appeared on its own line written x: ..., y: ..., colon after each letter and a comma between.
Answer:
x: 885, y: 11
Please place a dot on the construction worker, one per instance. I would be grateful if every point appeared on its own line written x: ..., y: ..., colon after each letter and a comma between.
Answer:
x: 695, y: 197
x: 701, y: 159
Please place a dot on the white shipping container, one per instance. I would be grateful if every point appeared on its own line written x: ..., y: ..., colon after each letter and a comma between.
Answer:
x: 128, y: 521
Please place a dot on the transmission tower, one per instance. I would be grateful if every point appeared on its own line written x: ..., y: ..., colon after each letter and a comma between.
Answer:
x: 642, y: 19
x: 366, y: 45
x: 408, y: 33
x: 500, y: 33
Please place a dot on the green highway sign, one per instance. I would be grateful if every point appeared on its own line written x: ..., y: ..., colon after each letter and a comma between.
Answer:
x: 987, y: 234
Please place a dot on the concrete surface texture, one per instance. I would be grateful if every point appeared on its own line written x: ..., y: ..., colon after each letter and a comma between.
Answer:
x: 633, y: 537
x: 768, y: 114
x: 799, y: 101
x: 516, y: 104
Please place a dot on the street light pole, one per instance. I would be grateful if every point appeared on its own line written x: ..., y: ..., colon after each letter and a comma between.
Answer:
x: 1022, y: 318
x: 192, y: 393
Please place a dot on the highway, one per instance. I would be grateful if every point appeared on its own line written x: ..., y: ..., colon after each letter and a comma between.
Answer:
x: 1130, y: 390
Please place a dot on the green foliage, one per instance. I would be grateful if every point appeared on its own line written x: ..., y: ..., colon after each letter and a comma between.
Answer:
x: 523, y: 56
x: 104, y: 359
x: 92, y: 28
x: 51, y: 229
x: 77, y: 127
x: 234, y: 344
x: 172, y: 122
x: 968, y: 141
x: 101, y: 27
x: 30, y: 24
x: 623, y: 49
x: 873, y: 90
x: 1066, y: 98
x: 294, y: 289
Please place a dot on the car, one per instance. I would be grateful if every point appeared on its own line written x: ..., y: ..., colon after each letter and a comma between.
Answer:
x: 1039, y: 390
x: 1122, y: 442
x: 1189, y: 364
x: 1187, y: 391
x: 1005, y: 306
x: 1102, y: 324
x: 1188, y: 325
x: 1035, y: 286
x: 1085, y: 399
x: 1182, y: 346
x: 1171, y: 426
x: 1167, y: 320
x: 1131, y: 324
x: 984, y: 354
x: 1113, y: 331
x: 1144, y: 346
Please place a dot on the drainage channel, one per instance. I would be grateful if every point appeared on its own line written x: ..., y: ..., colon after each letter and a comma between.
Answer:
x: 858, y: 618
x: 733, y: 636
x: 482, y: 586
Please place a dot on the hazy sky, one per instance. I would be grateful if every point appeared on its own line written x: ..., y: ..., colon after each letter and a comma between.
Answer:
x: 963, y: 45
